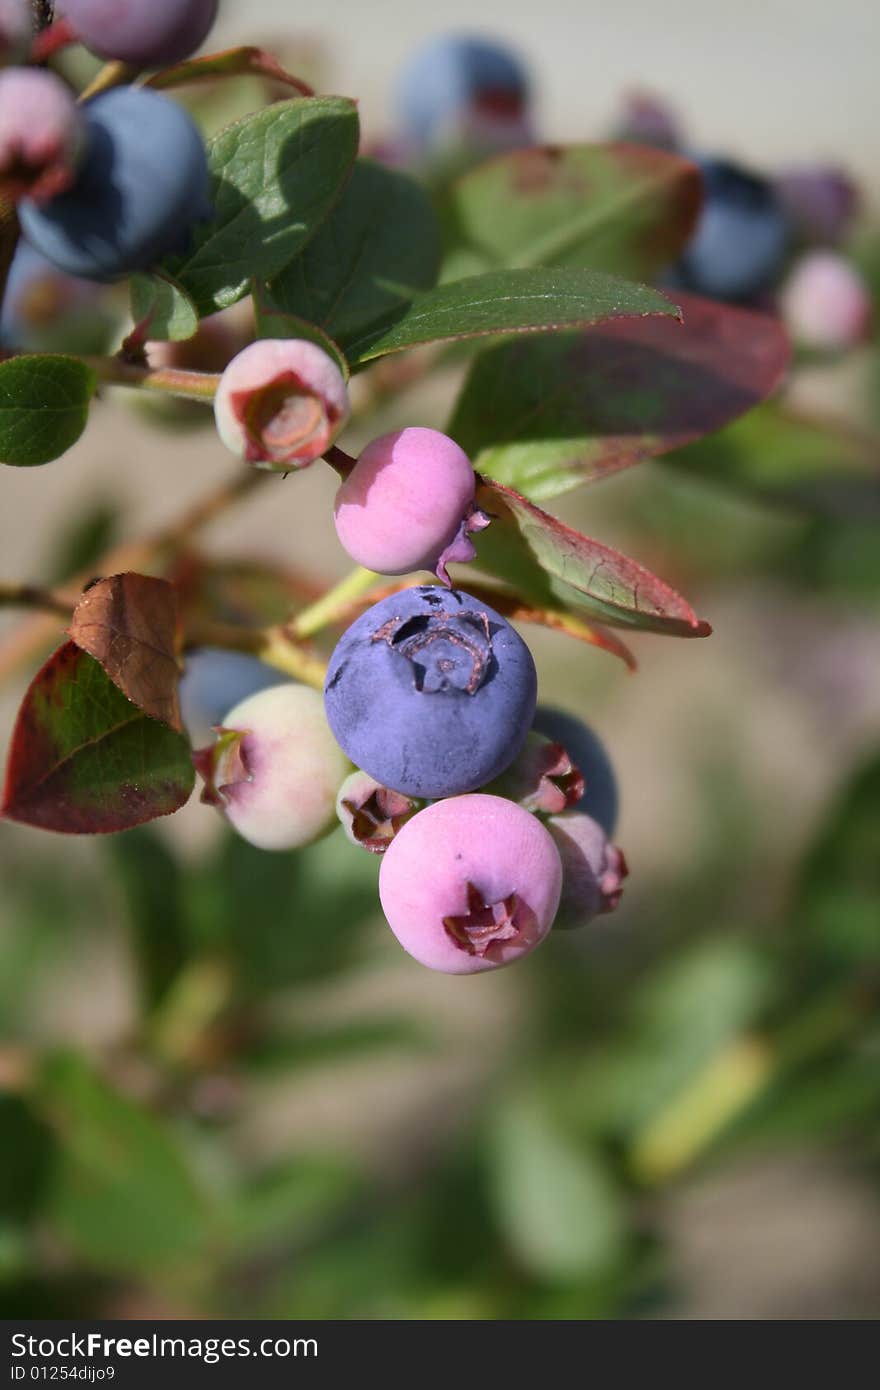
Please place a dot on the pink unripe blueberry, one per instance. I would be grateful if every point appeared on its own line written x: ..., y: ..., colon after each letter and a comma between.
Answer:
x: 41, y: 134
x: 593, y: 869
x: 408, y: 504
x: 826, y: 303
x: 281, y: 403
x: 470, y: 883
x: 370, y: 814
x: 276, y: 768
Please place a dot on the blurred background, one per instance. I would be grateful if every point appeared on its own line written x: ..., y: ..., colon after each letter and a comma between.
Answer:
x: 225, y: 1091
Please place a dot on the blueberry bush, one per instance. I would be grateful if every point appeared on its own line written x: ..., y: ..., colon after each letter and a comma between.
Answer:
x: 385, y: 741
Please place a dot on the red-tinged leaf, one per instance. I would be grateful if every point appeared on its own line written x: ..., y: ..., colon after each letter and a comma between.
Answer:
x: 626, y: 209
x: 129, y: 624
x: 232, y: 62
x: 546, y: 414
x: 84, y: 760
x: 556, y: 618
x: 548, y: 561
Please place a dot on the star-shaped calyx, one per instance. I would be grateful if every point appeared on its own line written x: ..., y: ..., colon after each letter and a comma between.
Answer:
x: 222, y: 765
x: 484, y: 924
x: 448, y: 652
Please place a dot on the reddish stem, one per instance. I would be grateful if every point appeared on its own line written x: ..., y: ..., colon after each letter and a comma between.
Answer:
x: 340, y: 460
x: 59, y: 35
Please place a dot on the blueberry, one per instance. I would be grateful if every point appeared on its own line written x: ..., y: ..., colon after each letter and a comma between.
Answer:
x: 147, y: 33
x: 821, y: 201
x: 41, y: 134
x: 458, y: 87
x: 826, y: 303
x: 214, y: 681
x: 588, y: 753
x: 740, y: 243
x: 408, y: 504
x: 275, y: 769
x: 470, y: 884
x: 593, y: 869
x: 370, y: 814
x: 142, y: 184
x: 647, y: 119
x: 431, y: 692
x: 38, y: 301
x: 281, y: 403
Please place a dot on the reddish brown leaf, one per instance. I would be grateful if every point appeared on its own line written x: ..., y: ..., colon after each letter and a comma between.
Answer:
x: 84, y: 759
x: 552, y: 565
x: 232, y: 62
x: 129, y: 624
x: 544, y: 415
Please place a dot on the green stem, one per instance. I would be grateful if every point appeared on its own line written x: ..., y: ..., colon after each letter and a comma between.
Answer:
x: 175, y: 381
x: 334, y: 603
x: 111, y: 75
x: 276, y: 646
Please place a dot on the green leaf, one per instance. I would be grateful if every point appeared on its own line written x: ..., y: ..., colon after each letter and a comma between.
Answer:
x: 837, y: 903
x: 546, y: 561
x: 627, y: 209
x: 378, y: 248
x: 680, y: 1018
x: 172, y: 315
x: 291, y: 1203
x: 509, y: 301
x: 544, y: 415
x: 151, y: 879
x: 324, y: 895
x: 555, y: 1201
x: 85, y: 760
x: 120, y: 1192
x: 44, y: 406
x: 817, y: 466
x: 275, y: 176
x: 272, y: 322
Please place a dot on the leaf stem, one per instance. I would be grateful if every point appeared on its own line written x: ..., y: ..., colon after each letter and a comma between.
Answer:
x: 34, y: 634
x: 332, y: 605
x: 30, y: 596
x: 175, y: 381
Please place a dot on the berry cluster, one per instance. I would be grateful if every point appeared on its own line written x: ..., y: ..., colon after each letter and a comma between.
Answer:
x: 489, y: 831
x: 107, y: 186
x: 762, y: 240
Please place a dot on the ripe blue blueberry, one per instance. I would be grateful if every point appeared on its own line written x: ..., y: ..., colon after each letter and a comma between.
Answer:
x: 142, y: 184
x: 740, y: 243
x: 431, y: 692
x: 148, y: 33
x: 460, y: 88
x: 588, y: 753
